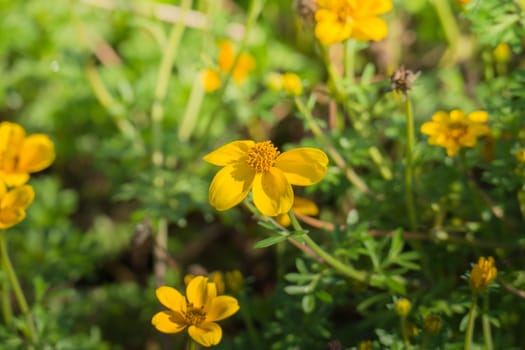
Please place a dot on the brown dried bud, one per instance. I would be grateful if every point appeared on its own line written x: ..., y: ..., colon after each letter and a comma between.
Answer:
x: 403, y: 79
x: 305, y: 9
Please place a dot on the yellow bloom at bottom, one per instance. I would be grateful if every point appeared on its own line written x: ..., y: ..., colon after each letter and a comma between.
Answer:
x: 198, y: 311
x: 13, y: 204
x: 260, y: 167
x: 483, y: 273
x: 455, y: 129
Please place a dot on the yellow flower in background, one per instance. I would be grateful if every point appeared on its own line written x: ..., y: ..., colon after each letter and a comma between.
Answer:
x: 21, y: 155
x: 234, y: 281
x: 198, y: 311
x: 483, y: 273
x: 365, y: 345
x: 520, y: 155
x: 502, y: 53
x: 292, y: 84
x: 260, y: 167
x: 210, y: 79
x: 338, y: 20
x: 403, y: 307
x: 455, y: 129
x: 432, y: 324
x: 13, y: 204
x: 301, y: 206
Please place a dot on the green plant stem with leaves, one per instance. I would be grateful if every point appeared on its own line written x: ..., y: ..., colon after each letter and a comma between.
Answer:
x: 157, y: 117
x: 470, y: 323
x: 7, y: 267
x: 404, y: 331
x: 409, y: 164
x: 487, y: 333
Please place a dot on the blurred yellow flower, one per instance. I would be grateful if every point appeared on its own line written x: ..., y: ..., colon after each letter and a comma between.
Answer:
x: 21, y: 155
x: 289, y: 83
x: 300, y: 206
x: 13, y: 204
x: 210, y: 79
x: 234, y: 281
x: 198, y: 311
x: 365, y: 345
x: 338, y: 20
x: 483, y: 273
x: 455, y: 129
x: 520, y: 155
x: 403, y: 307
x: 502, y: 53
x: 261, y: 167
x: 432, y: 324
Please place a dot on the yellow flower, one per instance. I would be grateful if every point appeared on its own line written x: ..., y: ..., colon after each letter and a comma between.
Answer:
x: 365, y: 345
x: 455, y: 129
x: 338, y: 20
x: 198, y: 311
x: 483, y: 273
x: 261, y: 167
x: 520, y: 155
x: 432, y: 324
x: 13, y: 204
x: 292, y: 84
x: 245, y: 63
x: 21, y: 155
x: 403, y: 307
x: 210, y: 79
x: 300, y: 206
x: 234, y: 281
x: 502, y: 53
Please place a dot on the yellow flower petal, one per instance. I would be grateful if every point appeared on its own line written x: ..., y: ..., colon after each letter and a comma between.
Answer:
x: 10, y: 217
x: 230, y: 186
x: 221, y: 307
x: 14, y: 179
x: 373, y: 28
x: 457, y: 116
x: 18, y: 198
x: 37, y: 153
x: 3, y: 189
x: 479, y: 116
x: 283, y: 220
x: 210, y: 80
x: 332, y: 32
x: 229, y: 153
x: 304, y: 206
x: 199, y: 292
x: 171, y: 298
x: 11, y: 139
x: 303, y: 166
x: 167, y: 322
x: 441, y: 117
x: 207, y: 334
x: 272, y: 194
x: 430, y: 128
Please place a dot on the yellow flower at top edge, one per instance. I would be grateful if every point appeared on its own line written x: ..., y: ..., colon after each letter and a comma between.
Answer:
x: 198, y: 311
x: 260, y: 167
x: 483, y: 273
x: 21, y: 155
x: 338, y: 20
x: 13, y: 204
x: 456, y: 129
x: 301, y: 206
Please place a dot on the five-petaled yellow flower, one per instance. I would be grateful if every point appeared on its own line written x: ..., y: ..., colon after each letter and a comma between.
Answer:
x: 198, y: 311
x: 483, y: 273
x: 338, y: 20
x: 262, y: 168
x: 211, y: 79
x: 455, y: 129
x: 21, y: 155
x: 13, y: 204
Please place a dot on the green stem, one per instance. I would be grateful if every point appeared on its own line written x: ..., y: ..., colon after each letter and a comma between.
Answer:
x: 404, y: 332
x: 448, y: 22
x: 350, y: 174
x: 15, y: 284
x: 157, y: 116
x: 350, y: 46
x: 409, y: 170
x: 248, y: 322
x: 192, y: 345
x: 7, y: 311
x: 344, y: 269
x: 470, y: 324
x: 487, y: 334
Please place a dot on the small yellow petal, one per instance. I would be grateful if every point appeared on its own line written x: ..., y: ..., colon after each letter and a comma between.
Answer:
x: 210, y: 80
x: 229, y: 153
x: 10, y: 217
x: 304, y: 206
x: 165, y: 322
x: 14, y: 179
x: 272, y: 194
x: 197, y: 291
x: 18, y: 198
x: 479, y: 116
x: 441, y: 117
x: 230, y: 186
x: 171, y: 298
x: 36, y: 154
x: 222, y: 307
x: 373, y: 28
x: 207, y: 334
x: 303, y: 166
x: 283, y: 220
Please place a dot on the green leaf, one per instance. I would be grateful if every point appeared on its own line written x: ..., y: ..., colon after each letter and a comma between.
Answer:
x: 308, y: 303
x: 269, y: 241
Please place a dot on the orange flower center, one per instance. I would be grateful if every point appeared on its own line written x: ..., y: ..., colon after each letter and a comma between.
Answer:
x: 457, y: 130
x: 194, y: 315
x: 261, y: 157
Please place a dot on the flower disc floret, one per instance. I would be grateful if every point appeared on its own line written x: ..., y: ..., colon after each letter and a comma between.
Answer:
x: 198, y: 311
x: 261, y: 168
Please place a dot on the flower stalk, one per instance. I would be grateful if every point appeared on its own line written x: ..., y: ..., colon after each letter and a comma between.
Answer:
x: 487, y: 333
x: 409, y: 170
x: 470, y: 323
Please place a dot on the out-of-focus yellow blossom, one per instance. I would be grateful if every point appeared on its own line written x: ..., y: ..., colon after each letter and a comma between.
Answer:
x: 483, y: 273
x: 260, y: 167
x: 300, y: 206
x: 13, y: 204
x: 234, y: 281
x: 520, y: 155
x: 412, y: 330
x: 403, y: 307
x: 502, y: 53
x: 432, y: 324
x: 198, y: 311
x: 338, y: 20
x: 292, y: 84
x: 21, y: 155
x: 365, y: 345
x: 217, y: 277
x: 245, y: 63
x: 274, y: 81
x: 463, y: 2
x: 455, y: 129
x: 210, y: 79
